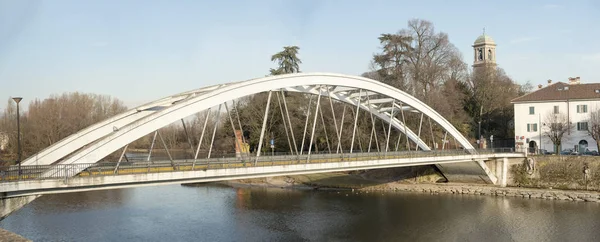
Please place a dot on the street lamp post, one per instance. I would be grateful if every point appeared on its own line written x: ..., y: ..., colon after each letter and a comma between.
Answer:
x: 18, y: 100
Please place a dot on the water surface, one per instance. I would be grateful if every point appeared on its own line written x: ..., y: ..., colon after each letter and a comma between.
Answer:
x: 219, y: 213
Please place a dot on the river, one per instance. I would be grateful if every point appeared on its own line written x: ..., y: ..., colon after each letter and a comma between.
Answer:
x: 221, y: 213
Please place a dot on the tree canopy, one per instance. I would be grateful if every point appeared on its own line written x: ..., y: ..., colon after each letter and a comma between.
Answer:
x: 287, y: 61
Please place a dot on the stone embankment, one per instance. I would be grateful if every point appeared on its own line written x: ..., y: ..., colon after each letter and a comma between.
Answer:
x: 549, y: 194
x: 12, y: 237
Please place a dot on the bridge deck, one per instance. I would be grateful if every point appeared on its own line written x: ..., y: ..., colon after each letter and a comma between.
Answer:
x: 77, y: 177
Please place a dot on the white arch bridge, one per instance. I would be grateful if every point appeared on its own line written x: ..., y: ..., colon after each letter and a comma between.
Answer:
x: 71, y: 164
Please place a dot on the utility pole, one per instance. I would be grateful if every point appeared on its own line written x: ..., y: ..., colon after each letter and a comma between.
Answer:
x: 18, y: 100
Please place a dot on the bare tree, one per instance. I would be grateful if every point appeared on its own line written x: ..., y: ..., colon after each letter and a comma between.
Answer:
x: 555, y: 126
x: 489, y: 91
x: 423, y: 62
x: 52, y: 119
x: 594, y: 126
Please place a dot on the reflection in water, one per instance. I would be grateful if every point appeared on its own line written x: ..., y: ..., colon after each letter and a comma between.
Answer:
x: 219, y: 213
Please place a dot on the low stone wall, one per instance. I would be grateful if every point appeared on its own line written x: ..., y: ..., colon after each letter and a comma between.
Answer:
x: 549, y: 194
x: 558, y: 172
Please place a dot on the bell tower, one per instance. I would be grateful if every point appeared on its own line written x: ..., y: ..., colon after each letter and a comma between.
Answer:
x: 484, y: 51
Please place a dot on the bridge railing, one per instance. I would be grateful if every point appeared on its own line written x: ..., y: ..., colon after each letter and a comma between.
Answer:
x: 66, y: 171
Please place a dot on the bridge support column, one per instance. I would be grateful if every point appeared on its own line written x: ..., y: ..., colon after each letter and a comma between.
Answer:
x: 501, y: 171
x: 504, y: 175
x: 9, y: 205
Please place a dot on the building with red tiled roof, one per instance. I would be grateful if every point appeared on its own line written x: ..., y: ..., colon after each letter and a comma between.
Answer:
x: 573, y: 99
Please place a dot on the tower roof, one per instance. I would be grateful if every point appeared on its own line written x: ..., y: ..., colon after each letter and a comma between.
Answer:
x: 484, y: 39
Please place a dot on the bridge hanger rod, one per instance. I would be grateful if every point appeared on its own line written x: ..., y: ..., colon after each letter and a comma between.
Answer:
x: 264, y: 124
x: 187, y: 135
x: 306, y: 124
x: 120, y: 158
x: 398, y: 142
x: 444, y: 140
x: 201, y: 137
x: 339, y: 147
x: 337, y: 133
x: 355, y: 120
x: 241, y: 128
x: 405, y: 129
x: 384, y: 130
x: 387, y: 140
x: 234, y: 106
x: 455, y: 143
x: 152, y: 146
x: 212, y: 140
x: 289, y: 121
x: 166, y: 148
x: 324, y: 128
x: 312, y: 135
x: 370, y: 137
x: 358, y: 138
x: 432, y: 135
x: 419, y: 135
x: 372, y: 126
x: 237, y: 141
x: 284, y: 123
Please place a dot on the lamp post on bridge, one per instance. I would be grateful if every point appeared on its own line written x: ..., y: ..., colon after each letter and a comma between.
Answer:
x: 18, y: 100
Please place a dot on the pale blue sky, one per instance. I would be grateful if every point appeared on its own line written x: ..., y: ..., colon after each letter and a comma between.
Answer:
x: 143, y: 50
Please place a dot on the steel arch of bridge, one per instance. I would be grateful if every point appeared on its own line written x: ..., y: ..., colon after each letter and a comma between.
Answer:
x: 99, y: 140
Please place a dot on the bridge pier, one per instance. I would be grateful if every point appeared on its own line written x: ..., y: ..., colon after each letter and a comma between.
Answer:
x: 502, y: 171
x: 9, y: 205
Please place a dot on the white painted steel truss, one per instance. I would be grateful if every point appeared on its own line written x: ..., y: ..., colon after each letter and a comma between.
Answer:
x: 382, y: 101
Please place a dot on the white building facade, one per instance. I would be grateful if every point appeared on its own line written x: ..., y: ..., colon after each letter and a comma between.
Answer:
x: 575, y: 100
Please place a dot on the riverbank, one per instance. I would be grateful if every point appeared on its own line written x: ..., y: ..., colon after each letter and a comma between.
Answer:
x: 490, y: 190
x: 358, y: 182
x: 12, y: 237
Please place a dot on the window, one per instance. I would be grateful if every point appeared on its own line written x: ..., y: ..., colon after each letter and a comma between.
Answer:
x: 582, y: 108
x: 532, y: 128
x: 566, y: 88
x: 582, y: 126
x: 555, y: 109
x: 531, y: 110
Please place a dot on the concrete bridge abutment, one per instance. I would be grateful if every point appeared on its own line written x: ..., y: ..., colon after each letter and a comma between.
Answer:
x: 9, y: 205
